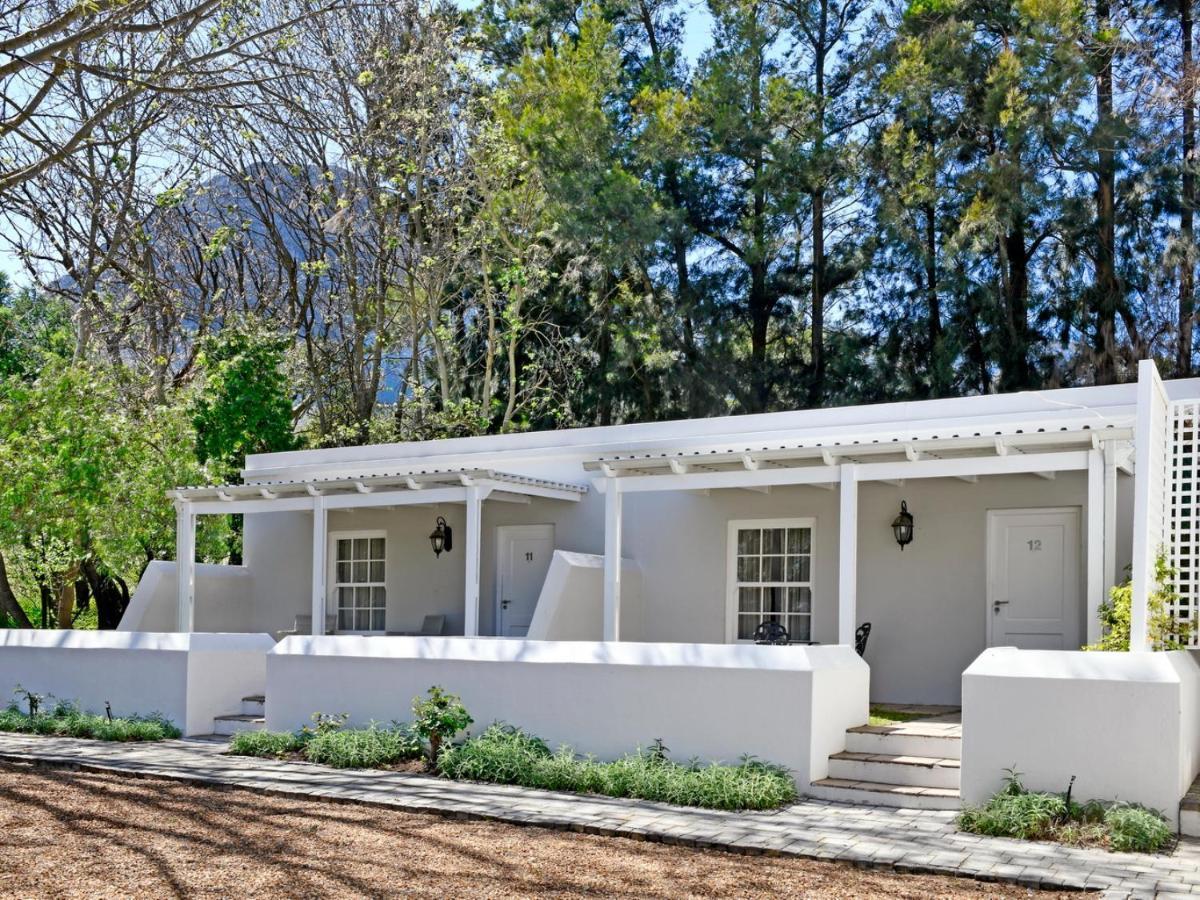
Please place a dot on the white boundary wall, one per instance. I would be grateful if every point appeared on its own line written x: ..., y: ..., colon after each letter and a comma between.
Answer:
x: 787, y: 705
x: 189, y: 678
x: 570, y: 606
x: 1127, y: 725
x: 224, y: 599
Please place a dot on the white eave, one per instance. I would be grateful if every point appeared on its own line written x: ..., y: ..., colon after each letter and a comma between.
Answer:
x: 418, y: 482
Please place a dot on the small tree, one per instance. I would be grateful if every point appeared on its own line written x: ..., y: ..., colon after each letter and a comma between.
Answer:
x: 1116, y: 614
x: 438, y: 718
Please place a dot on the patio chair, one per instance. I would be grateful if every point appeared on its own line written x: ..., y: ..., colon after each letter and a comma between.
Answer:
x: 431, y: 626
x: 303, y: 625
x: 770, y: 632
x: 860, y: 637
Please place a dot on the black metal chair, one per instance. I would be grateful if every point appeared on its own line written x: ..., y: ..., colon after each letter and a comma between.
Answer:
x: 860, y: 637
x: 771, y: 632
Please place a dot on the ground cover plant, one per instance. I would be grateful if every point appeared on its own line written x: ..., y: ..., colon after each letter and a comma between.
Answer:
x: 1038, y: 816
x: 329, y: 743
x: 507, y: 755
x: 886, y: 715
x: 66, y: 719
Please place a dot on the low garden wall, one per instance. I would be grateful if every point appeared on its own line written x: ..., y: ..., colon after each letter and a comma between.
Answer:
x: 1126, y: 725
x: 223, y: 599
x: 189, y: 678
x: 786, y: 705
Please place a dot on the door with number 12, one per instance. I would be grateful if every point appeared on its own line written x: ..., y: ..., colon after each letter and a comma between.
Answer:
x: 1034, y: 583
x: 524, y: 556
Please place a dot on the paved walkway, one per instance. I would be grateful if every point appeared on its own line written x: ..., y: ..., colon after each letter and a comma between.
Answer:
x: 905, y: 840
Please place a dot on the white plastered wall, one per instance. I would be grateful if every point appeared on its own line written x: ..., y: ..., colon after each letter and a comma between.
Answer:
x: 787, y: 705
x: 1124, y: 724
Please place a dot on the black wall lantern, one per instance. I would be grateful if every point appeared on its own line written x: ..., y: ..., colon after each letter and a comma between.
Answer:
x: 442, y: 537
x: 902, y: 525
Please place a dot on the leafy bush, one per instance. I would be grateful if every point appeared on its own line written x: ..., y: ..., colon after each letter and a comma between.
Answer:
x: 364, y: 748
x: 267, y: 744
x: 66, y: 720
x: 1030, y: 815
x: 1137, y: 830
x: 340, y: 747
x: 507, y: 755
x: 1165, y: 631
x: 438, y: 718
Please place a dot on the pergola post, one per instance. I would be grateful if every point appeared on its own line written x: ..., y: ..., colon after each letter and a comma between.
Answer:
x: 185, y: 565
x: 1110, y: 516
x: 1151, y: 499
x: 1096, y: 519
x: 847, y: 555
x: 320, y: 541
x: 612, y: 560
x: 474, y: 504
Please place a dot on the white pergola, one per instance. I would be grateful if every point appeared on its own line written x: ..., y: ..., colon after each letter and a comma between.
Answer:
x: 385, y: 490
x: 1099, y: 445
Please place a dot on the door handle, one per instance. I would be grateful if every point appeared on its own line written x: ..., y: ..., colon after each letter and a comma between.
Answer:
x: 504, y: 604
x: 996, y: 604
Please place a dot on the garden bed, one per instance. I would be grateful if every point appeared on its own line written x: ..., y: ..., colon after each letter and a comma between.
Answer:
x: 502, y: 754
x: 67, y: 720
x: 1036, y: 816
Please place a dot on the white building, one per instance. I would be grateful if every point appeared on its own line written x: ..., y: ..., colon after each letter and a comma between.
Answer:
x: 607, y: 582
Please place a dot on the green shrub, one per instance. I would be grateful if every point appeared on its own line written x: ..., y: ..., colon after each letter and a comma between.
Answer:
x: 364, y: 748
x: 1165, y: 631
x: 438, y: 718
x: 67, y: 720
x: 267, y: 744
x: 1031, y: 815
x: 506, y: 755
x: 1137, y: 830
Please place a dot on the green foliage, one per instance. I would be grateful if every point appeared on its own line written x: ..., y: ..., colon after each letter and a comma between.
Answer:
x: 1030, y: 815
x: 67, y: 720
x: 507, y: 755
x: 438, y: 718
x: 364, y: 748
x: 1165, y: 631
x: 244, y: 403
x: 1132, y: 829
x: 34, y: 328
x: 267, y: 744
x: 330, y: 743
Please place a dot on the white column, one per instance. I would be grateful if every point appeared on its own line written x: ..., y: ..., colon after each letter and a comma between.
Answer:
x: 1095, y: 543
x: 1149, y: 498
x: 320, y: 539
x: 1110, y: 516
x: 848, y: 556
x: 612, y: 560
x: 474, y: 504
x: 185, y: 565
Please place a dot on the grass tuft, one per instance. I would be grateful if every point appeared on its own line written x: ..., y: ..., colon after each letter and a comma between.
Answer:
x: 342, y: 748
x: 507, y: 755
x: 266, y: 744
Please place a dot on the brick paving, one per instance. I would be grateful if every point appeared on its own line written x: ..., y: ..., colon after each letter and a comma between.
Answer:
x: 907, y: 840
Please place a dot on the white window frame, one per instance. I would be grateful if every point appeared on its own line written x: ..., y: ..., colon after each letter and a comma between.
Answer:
x: 332, y: 605
x: 731, y: 580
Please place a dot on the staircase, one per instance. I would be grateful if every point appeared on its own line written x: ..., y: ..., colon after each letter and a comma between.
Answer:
x: 911, y: 764
x: 253, y: 717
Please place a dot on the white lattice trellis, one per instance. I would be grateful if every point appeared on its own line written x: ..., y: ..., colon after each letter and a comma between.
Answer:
x: 1183, y: 544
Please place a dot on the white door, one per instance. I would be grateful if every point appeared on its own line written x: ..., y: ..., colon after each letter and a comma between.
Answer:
x: 523, y: 555
x: 1034, y: 599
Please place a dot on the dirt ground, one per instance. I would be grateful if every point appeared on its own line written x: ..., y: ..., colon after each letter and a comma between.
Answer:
x: 75, y: 834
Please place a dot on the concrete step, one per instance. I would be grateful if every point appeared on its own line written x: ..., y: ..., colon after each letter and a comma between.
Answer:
x: 913, y: 771
x: 227, y: 725
x: 874, y: 793
x: 909, y: 739
x: 1189, y: 811
x: 255, y: 705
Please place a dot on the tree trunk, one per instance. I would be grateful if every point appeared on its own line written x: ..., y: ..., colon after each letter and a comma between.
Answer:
x: 816, y: 391
x: 66, y: 598
x: 8, y: 600
x: 1187, y: 200
x: 1108, y: 291
x: 933, y: 307
x: 110, y: 593
x: 1016, y: 373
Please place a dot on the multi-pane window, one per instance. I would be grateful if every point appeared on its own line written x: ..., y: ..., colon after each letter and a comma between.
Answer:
x: 359, y: 583
x: 772, y: 579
